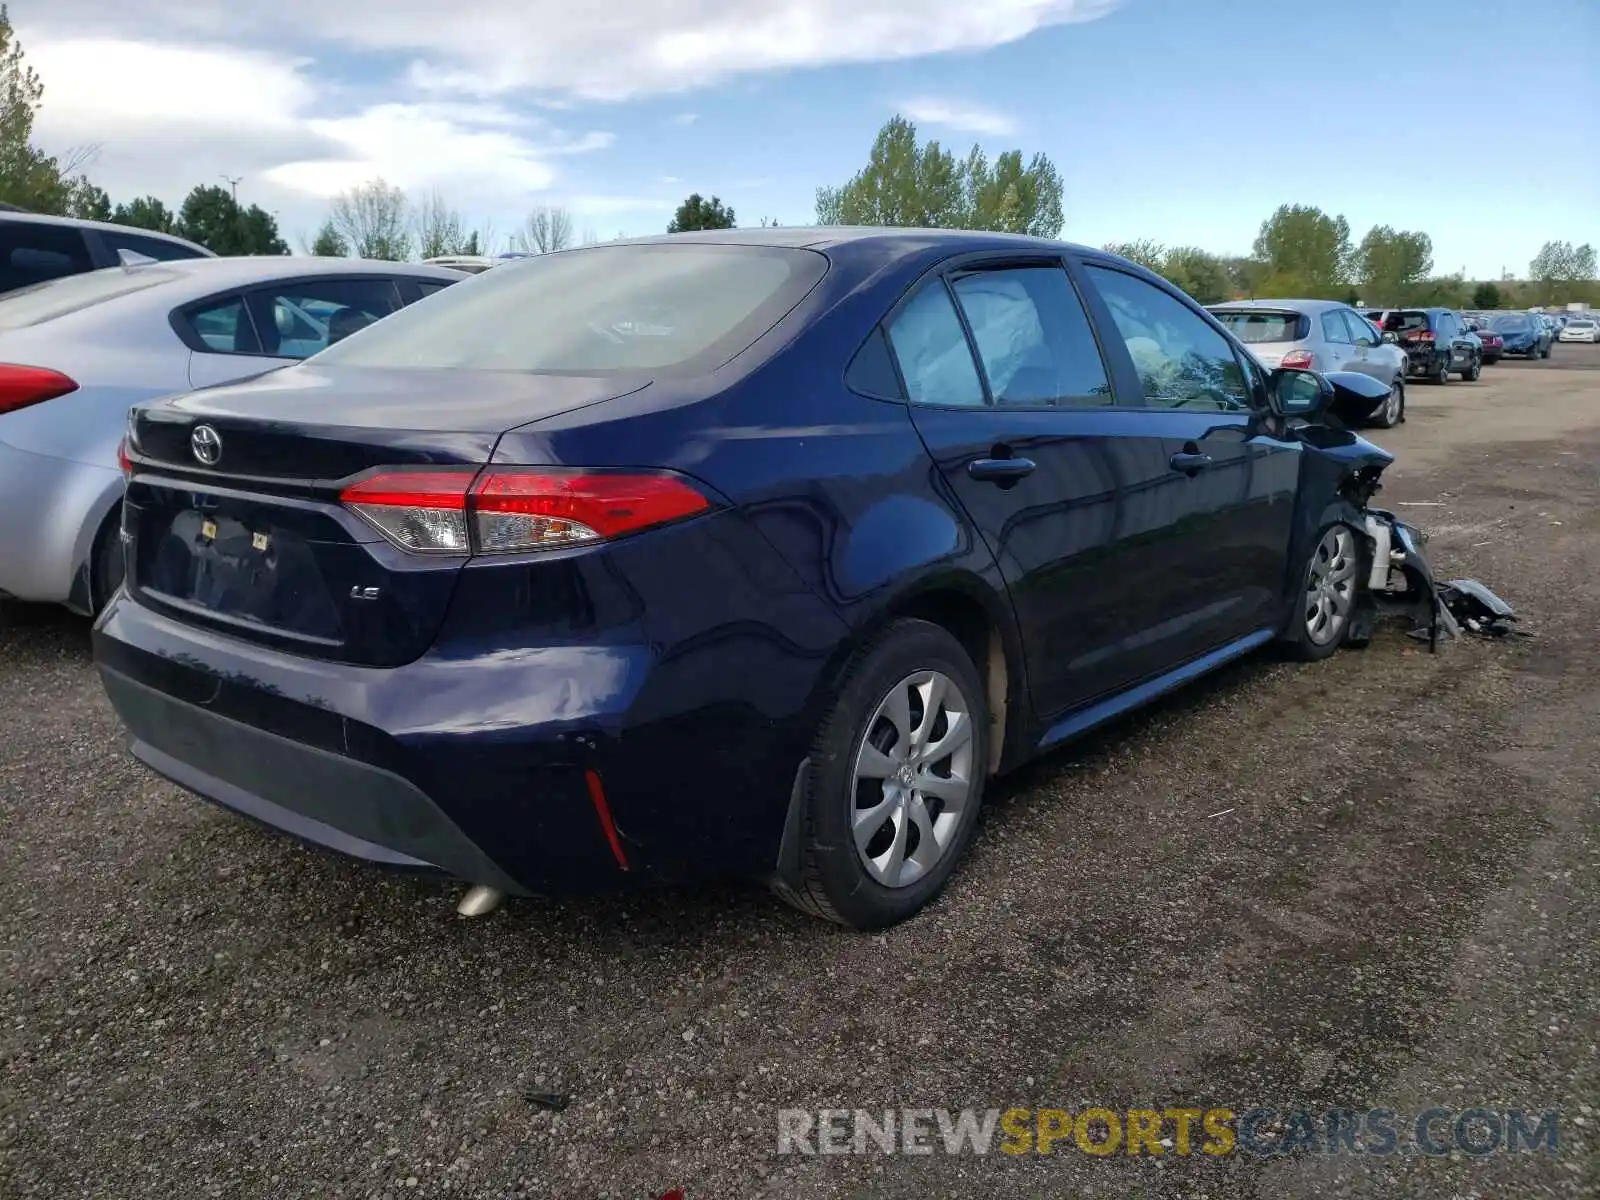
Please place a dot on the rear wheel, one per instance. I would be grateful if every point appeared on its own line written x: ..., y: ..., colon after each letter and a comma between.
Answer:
x: 1473, y: 371
x: 1328, y: 593
x: 106, y: 566
x: 1441, y: 369
x: 897, y: 778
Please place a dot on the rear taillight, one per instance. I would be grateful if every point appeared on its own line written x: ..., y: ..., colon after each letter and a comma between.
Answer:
x: 1298, y: 360
x: 507, y: 510
x: 1422, y: 335
x: 123, y: 460
x: 21, y: 386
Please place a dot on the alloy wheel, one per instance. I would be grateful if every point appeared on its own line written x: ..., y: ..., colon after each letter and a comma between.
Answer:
x: 1331, y: 586
x: 1391, y: 406
x: 913, y: 782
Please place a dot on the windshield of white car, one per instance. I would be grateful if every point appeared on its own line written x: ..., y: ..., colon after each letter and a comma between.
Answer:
x: 71, y: 293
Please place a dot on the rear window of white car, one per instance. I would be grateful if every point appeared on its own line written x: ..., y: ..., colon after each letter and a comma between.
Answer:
x: 658, y: 307
x: 1252, y: 327
x: 72, y: 293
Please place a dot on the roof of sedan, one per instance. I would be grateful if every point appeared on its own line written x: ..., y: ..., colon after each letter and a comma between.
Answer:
x: 824, y: 237
x: 1293, y: 305
x: 223, y: 272
x: 13, y: 216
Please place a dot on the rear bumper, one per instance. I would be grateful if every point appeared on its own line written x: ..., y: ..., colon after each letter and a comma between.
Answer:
x: 326, y: 799
x: 480, y: 759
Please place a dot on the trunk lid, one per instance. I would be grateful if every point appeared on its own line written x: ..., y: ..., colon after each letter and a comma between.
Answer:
x: 233, y: 520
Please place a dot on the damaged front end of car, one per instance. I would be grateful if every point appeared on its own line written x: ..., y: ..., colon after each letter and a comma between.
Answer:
x: 1399, y: 582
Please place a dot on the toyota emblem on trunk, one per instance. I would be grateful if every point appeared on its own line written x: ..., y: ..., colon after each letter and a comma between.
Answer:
x: 206, y: 443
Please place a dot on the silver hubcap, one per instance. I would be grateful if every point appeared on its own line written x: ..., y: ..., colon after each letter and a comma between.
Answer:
x: 1391, y: 406
x: 913, y: 781
x: 1331, y: 585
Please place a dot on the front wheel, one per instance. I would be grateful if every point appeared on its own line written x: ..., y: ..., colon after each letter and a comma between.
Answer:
x: 897, y: 777
x: 1393, y: 409
x: 1320, y: 622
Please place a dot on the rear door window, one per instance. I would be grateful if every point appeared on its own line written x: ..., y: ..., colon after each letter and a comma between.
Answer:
x: 1034, y: 340
x: 297, y: 320
x: 34, y: 253
x: 1334, y: 329
x: 931, y: 348
x: 222, y: 327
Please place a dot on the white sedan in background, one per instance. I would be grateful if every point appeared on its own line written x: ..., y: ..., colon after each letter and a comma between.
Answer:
x: 1580, y: 329
x: 76, y: 353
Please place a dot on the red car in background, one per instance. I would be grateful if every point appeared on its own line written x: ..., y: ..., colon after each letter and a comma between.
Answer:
x: 1493, y: 344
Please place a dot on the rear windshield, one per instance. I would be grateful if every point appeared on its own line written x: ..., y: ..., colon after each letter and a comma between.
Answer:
x: 1252, y: 327
x: 1510, y: 322
x: 59, y: 297
x: 660, y: 307
x: 1405, y: 322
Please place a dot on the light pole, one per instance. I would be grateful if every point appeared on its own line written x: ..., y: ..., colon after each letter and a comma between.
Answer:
x: 233, y: 182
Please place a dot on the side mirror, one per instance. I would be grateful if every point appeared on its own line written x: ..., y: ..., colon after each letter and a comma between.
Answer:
x: 1295, y: 393
x: 1391, y: 337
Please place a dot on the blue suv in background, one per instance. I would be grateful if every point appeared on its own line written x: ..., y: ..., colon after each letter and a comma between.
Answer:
x: 750, y: 552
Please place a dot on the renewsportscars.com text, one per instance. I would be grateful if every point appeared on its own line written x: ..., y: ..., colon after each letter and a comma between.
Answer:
x: 1180, y: 1130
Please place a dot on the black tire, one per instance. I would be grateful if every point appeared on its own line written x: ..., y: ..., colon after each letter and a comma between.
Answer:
x: 1298, y: 640
x: 834, y: 882
x: 1441, y: 370
x: 1548, y: 349
x: 1473, y: 372
x: 106, y: 567
x: 1387, y: 418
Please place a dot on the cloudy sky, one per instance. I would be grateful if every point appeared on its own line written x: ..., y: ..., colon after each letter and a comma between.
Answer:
x: 1185, y: 121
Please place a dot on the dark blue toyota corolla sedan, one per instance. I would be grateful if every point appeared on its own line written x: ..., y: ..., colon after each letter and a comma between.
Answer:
x: 746, y: 553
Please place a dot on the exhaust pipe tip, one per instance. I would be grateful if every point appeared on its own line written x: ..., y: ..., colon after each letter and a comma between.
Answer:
x: 480, y: 901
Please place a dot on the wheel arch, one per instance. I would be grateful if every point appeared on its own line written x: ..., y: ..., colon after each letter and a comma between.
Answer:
x: 970, y: 609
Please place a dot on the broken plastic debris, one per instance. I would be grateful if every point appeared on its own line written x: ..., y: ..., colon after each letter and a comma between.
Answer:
x: 549, y: 1101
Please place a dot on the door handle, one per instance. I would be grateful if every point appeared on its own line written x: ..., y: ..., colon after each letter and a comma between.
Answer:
x: 1004, y: 471
x: 1190, y: 462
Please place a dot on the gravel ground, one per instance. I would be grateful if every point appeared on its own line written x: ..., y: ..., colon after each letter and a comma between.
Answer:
x: 1399, y: 908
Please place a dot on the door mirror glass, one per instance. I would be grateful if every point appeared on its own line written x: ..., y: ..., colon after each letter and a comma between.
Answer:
x: 1295, y: 393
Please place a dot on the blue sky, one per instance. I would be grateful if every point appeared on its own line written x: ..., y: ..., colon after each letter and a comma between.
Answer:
x: 1184, y: 121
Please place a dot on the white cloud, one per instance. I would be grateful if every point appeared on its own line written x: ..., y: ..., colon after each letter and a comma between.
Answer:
x: 968, y: 118
x: 270, y: 119
x: 640, y: 47
x: 683, y: 120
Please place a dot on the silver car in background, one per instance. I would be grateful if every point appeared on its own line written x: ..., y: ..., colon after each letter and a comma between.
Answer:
x: 77, y: 352
x: 1321, y: 335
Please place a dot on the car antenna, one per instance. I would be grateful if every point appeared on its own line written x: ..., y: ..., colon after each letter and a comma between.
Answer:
x: 132, y: 258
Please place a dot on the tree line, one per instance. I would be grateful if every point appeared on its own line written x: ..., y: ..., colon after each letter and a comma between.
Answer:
x: 1300, y: 250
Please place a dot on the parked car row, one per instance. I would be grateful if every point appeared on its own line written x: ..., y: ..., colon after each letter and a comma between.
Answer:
x: 1528, y: 334
x: 1322, y: 335
x: 749, y: 552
